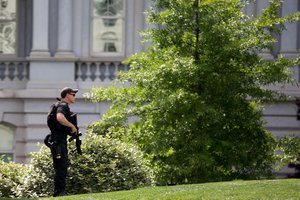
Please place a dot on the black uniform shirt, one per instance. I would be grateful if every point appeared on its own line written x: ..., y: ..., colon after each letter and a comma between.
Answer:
x: 65, y: 110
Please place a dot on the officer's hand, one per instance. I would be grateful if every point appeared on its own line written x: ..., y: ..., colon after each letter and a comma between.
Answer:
x: 74, y: 130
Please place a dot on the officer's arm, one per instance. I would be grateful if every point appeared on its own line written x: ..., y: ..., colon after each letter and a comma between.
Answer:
x: 63, y: 121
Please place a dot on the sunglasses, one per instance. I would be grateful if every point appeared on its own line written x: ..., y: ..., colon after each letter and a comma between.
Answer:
x: 72, y: 94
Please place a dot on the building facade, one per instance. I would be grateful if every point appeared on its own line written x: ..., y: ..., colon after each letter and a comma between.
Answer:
x: 46, y: 45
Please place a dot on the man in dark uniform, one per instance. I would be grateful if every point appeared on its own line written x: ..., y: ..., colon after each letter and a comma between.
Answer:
x: 59, y: 136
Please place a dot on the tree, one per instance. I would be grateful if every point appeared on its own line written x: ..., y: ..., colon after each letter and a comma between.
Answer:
x: 198, y: 91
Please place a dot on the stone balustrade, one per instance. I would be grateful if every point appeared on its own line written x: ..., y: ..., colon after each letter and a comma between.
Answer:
x: 14, y: 74
x: 100, y: 71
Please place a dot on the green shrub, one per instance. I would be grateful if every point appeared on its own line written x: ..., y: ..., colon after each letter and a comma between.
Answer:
x: 11, y: 178
x: 106, y: 165
x: 39, y: 180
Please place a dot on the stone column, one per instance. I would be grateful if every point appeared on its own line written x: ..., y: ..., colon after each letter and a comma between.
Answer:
x: 86, y: 36
x: 289, y: 38
x: 289, y: 35
x: 65, y: 29
x: 139, y: 20
x: 250, y: 9
x: 260, y: 5
x: 40, y: 47
x: 51, y: 72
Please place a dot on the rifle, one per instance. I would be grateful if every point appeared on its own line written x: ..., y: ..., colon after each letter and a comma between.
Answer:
x: 73, y: 120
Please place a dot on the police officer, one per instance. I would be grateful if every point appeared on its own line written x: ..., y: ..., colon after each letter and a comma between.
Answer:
x: 59, y: 135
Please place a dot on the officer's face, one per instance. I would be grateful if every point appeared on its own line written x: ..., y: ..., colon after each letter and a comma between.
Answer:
x: 72, y: 97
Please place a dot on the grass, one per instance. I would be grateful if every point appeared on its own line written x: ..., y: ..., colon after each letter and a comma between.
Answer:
x: 263, y: 189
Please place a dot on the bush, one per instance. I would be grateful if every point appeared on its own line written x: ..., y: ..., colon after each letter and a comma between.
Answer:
x: 39, y: 180
x: 106, y: 165
x: 11, y: 177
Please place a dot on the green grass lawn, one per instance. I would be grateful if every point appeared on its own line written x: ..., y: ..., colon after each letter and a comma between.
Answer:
x: 265, y: 189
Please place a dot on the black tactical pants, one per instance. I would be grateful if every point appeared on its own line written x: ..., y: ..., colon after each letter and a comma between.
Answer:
x: 60, y: 164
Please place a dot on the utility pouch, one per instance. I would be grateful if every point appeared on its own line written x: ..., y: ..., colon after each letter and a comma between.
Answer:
x: 49, y: 142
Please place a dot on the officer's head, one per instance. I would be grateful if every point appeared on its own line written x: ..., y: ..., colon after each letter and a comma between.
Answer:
x: 65, y: 91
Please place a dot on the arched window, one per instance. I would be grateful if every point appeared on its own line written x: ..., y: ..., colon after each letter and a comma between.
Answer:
x: 108, y: 17
x: 7, y: 27
x: 7, y: 143
x: 111, y: 41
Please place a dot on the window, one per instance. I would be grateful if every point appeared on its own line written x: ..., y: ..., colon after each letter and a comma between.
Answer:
x: 108, y: 26
x: 6, y: 145
x: 7, y: 27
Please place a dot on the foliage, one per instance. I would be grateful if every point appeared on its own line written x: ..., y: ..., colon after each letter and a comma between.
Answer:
x: 246, y: 190
x: 11, y: 177
x: 288, y: 151
x: 39, y: 180
x: 106, y: 165
x: 198, y: 90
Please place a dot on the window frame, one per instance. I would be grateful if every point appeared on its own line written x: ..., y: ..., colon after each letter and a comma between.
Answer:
x: 10, y: 153
x: 108, y: 54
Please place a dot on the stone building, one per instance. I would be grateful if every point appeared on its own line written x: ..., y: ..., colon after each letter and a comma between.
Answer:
x: 46, y: 45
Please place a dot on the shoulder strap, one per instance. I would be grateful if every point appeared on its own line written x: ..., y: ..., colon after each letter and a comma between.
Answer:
x: 53, y: 108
